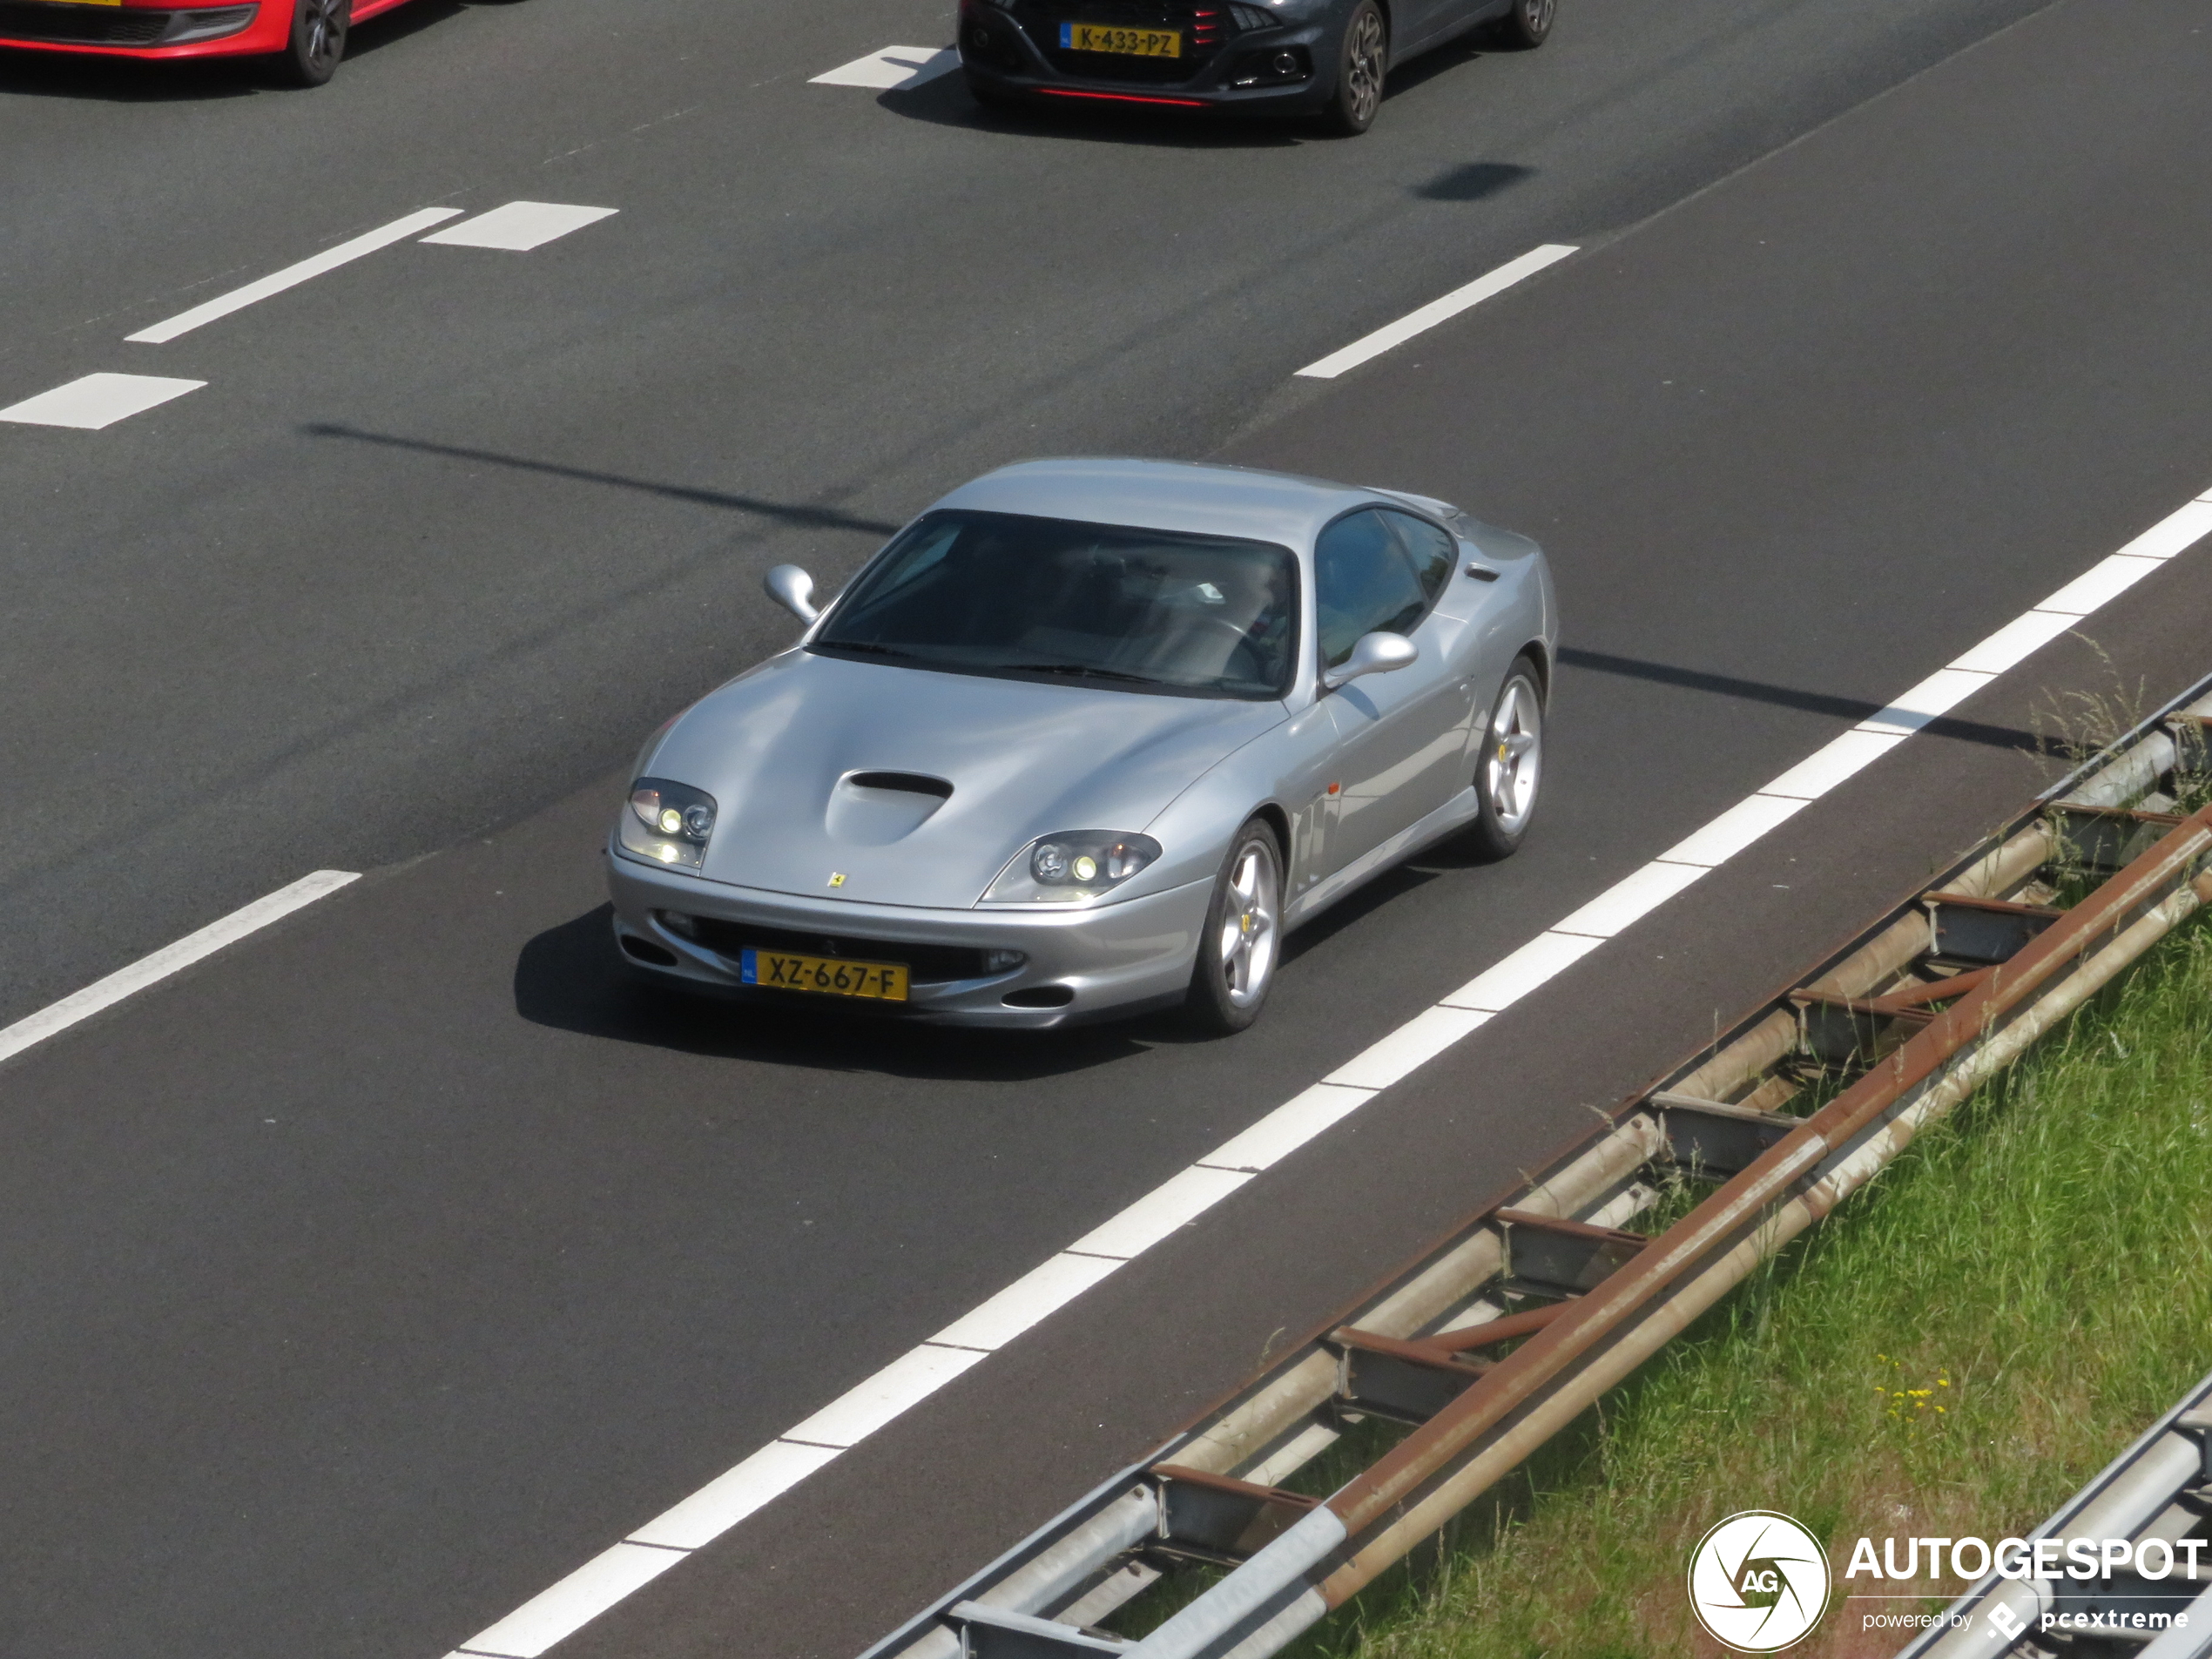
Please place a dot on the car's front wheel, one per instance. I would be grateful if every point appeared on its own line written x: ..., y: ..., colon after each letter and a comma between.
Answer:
x: 1526, y: 23
x: 317, y: 41
x: 1360, y: 68
x: 1512, y: 763
x: 1242, y: 938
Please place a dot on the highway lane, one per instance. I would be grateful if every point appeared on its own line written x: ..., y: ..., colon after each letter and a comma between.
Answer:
x: 520, y: 1259
x: 446, y: 530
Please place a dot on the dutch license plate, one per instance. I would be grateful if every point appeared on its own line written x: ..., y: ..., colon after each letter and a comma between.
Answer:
x: 831, y: 976
x: 1132, y: 43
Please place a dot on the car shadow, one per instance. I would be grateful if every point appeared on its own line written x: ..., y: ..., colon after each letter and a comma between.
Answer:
x: 571, y: 978
x: 945, y: 102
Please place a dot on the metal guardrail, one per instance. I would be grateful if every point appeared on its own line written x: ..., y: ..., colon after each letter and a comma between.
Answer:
x: 1511, y: 1325
x: 2159, y: 1488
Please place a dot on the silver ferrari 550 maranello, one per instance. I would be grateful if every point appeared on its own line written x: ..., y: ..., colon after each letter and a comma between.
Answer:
x: 1090, y: 736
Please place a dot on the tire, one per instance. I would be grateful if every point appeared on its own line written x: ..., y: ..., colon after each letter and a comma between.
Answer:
x: 1363, y: 60
x: 1242, y: 942
x: 1526, y: 24
x: 318, y: 43
x: 1511, y: 767
x: 990, y: 100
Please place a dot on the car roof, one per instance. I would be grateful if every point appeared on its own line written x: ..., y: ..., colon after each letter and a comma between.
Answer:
x: 1191, y: 497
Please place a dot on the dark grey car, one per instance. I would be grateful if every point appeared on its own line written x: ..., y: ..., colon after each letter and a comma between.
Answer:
x: 1328, y: 57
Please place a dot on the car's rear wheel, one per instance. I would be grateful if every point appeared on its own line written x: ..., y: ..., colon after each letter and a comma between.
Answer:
x: 1361, y: 67
x: 1243, y: 939
x: 1526, y: 23
x: 1512, y: 766
x: 317, y: 41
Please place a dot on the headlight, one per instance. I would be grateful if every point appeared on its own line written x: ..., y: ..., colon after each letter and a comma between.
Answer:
x: 667, y: 823
x: 1072, y: 867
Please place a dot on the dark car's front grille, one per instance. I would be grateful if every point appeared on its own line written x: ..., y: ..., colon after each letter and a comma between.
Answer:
x: 928, y: 964
x: 115, y: 25
x: 1203, y: 25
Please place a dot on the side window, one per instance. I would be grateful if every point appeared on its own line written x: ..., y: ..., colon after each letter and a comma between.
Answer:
x: 1362, y: 583
x: 1433, y: 552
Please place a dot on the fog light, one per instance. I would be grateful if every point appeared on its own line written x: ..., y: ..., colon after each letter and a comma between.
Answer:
x: 1002, y: 962
x: 1285, y: 63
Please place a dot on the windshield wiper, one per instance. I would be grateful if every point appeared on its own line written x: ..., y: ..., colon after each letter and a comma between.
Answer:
x: 1087, y: 672
x: 862, y: 644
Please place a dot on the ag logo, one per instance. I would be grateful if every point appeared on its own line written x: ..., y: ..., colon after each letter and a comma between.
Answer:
x: 1758, y: 1582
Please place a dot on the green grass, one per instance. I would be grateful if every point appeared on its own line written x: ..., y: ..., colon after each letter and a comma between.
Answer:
x: 1954, y: 1353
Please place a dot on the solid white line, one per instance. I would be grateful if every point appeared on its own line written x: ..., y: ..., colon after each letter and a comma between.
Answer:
x: 1290, y: 1126
x: 575, y: 1602
x: 1436, y: 310
x: 128, y: 982
x: 906, y: 1381
x: 1833, y: 762
x: 2100, y: 585
x: 1932, y: 699
x: 1748, y: 820
x: 722, y: 1503
x: 921, y: 1373
x: 1631, y: 899
x: 1502, y: 984
x: 293, y: 275
x: 2016, y: 642
x: 1038, y: 1292
x: 1175, y: 1202
x: 1427, y: 1034
x: 895, y: 69
x: 93, y: 402
x: 519, y: 226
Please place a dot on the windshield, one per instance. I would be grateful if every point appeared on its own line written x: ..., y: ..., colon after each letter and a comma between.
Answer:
x: 1051, y: 598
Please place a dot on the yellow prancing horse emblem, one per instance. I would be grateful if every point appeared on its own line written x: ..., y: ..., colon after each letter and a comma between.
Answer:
x: 837, y: 878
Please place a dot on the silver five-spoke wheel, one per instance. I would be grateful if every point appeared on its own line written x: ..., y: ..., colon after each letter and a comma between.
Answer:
x: 1244, y: 933
x: 1511, y: 766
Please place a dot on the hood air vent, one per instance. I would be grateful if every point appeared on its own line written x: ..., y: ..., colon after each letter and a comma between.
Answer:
x: 912, y: 782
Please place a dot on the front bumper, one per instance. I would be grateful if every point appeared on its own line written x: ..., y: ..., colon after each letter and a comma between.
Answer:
x: 143, y: 31
x: 1009, y: 51
x: 1110, y: 959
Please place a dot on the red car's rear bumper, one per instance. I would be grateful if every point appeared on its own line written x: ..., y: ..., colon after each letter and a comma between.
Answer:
x: 136, y: 30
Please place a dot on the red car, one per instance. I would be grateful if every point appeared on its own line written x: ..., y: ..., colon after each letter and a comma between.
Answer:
x: 304, y: 38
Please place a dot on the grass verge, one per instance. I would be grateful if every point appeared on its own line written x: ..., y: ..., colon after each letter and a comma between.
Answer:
x: 1954, y: 1354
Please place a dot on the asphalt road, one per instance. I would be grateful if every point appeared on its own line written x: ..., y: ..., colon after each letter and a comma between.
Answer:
x: 368, y: 1278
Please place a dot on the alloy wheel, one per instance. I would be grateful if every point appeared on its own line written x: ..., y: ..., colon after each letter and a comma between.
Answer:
x: 322, y: 33
x: 1250, y: 925
x: 1363, y: 65
x: 1514, y: 765
x: 1536, y: 17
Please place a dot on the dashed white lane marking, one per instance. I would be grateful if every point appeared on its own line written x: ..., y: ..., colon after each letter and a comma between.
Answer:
x: 1436, y: 310
x: 914, y: 1376
x: 98, y: 400
x: 192, y: 947
x: 893, y: 69
x: 520, y: 227
x: 293, y: 275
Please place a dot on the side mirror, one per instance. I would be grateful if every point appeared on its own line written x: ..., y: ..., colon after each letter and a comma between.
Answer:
x: 793, y: 589
x: 1374, y: 654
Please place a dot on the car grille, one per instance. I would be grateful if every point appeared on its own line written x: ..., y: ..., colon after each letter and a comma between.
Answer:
x: 113, y: 26
x: 928, y: 964
x: 1204, y: 28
